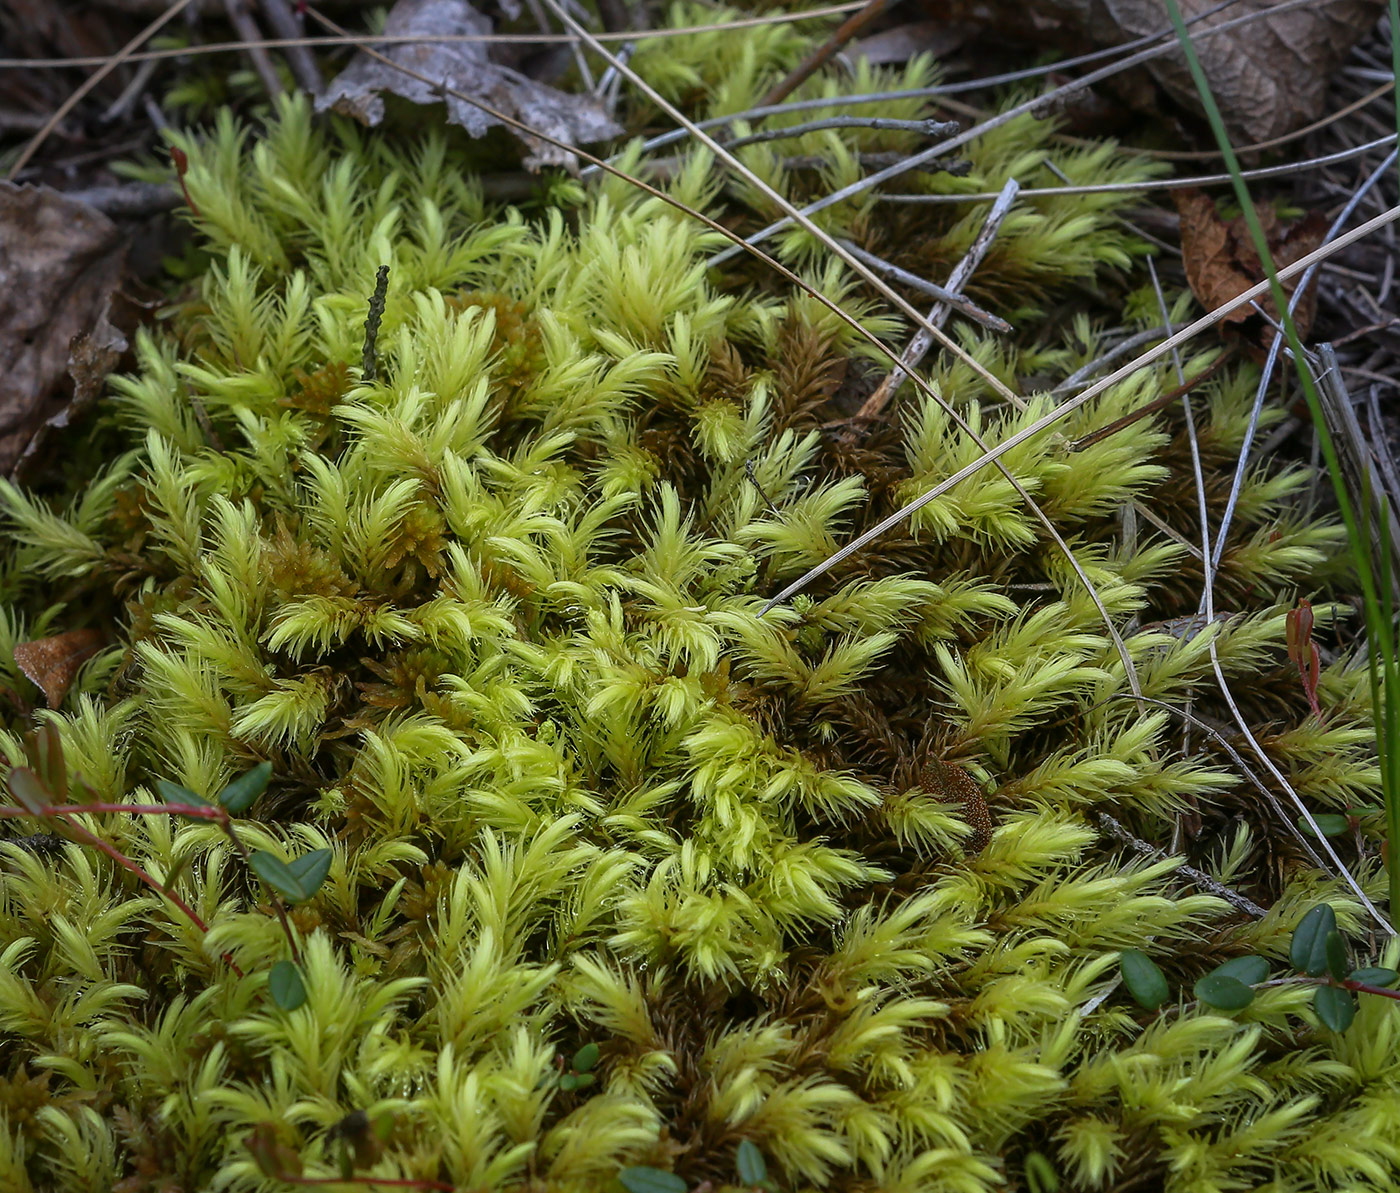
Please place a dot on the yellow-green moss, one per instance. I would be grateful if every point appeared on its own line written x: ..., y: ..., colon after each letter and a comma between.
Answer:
x: 828, y: 880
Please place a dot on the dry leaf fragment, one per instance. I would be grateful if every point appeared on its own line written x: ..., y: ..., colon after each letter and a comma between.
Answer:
x: 1269, y: 76
x: 52, y: 663
x: 1221, y: 263
x: 60, y: 261
x: 464, y: 67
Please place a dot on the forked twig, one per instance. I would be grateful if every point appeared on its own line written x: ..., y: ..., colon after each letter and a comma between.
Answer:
x: 1199, y: 877
x: 938, y: 316
x: 957, y: 301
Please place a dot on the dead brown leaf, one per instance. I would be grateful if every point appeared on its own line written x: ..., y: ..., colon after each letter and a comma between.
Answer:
x: 1221, y: 262
x: 52, y: 663
x: 1269, y: 76
x: 465, y: 67
x: 60, y: 262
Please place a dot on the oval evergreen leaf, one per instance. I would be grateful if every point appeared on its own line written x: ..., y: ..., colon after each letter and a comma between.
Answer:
x: 277, y: 875
x: 1336, y: 955
x: 32, y: 795
x: 1249, y: 970
x: 651, y: 1180
x: 1223, y: 992
x: 310, y: 870
x: 1375, y: 976
x: 1145, y: 982
x: 1332, y: 824
x: 286, y: 987
x: 173, y: 793
x: 1308, y: 950
x: 1335, y: 1007
x: 585, y: 1058
x: 753, y: 1169
x: 240, y: 795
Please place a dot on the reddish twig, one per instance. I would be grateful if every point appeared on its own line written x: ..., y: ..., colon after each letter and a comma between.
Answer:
x: 126, y: 863
x: 827, y: 51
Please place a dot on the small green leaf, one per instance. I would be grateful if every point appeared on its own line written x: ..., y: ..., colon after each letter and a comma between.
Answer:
x: 240, y: 795
x: 1332, y: 824
x: 651, y: 1180
x: 286, y: 987
x: 173, y: 793
x: 1223, y: 993
x: 585, y: 1058
x: 1335, y: 1007
x: 48, y: 745
x: 1375, y: 976
x: 1336, y: 955
x: 584, y: 1080
x: 32, y: 795
x: 753, y: 1169
x: 1308, y: 950
x: 1143, y: 979
x: 311, y: 870
x: 1249, y: 970
x: 277, y: 875
x: 568, y: 1082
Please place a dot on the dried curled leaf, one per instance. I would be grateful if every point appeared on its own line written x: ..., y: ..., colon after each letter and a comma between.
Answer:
x: 60, y: 262
x: 52, y: 663
x: 1221, y: 263
x: 1270, y: 75
x: 466, y: 67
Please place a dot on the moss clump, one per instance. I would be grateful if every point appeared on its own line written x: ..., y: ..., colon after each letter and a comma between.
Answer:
x: 828, y: 880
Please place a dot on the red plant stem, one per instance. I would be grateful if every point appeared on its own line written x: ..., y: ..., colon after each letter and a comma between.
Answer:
x: 1363, y: 988
x: 398, y: 1182
x: 127, y: 864
x: 196, y: 810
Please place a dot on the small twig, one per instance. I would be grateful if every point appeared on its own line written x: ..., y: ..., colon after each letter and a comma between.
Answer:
x: 1237, y: 482
x: 247, y: 28
x: 932, y: 289
x: 752, y: 474
x: 827, y: 51
x: 1199, y: 877
x: 938, y: 316
x: 376, y: 313
x: 1158, y: 403
x: 129, y: 199
x: 927, y: 128
x: 1123, y: 348
x: 130, y: 93
x: 610, y: 81
x: 287, y: 24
